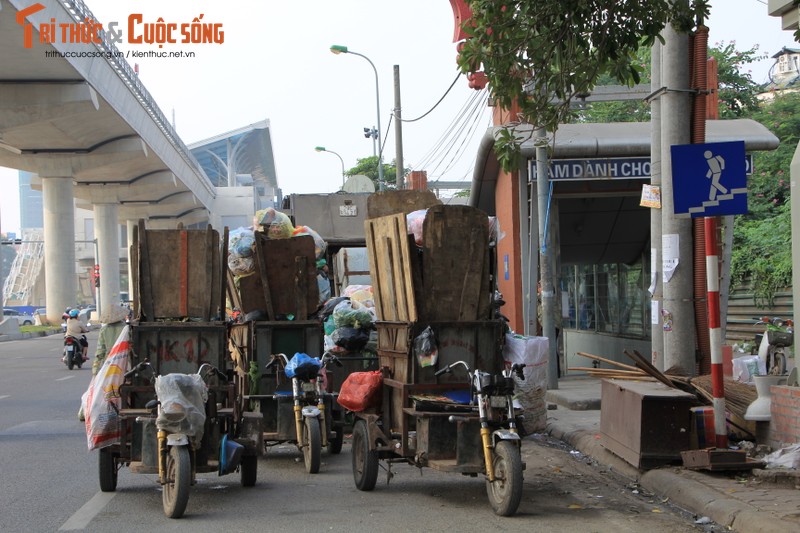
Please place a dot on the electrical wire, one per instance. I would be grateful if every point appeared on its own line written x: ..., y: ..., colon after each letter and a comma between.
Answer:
x: 452, y: 129
x: 436, y: 104
x: 473, y: 116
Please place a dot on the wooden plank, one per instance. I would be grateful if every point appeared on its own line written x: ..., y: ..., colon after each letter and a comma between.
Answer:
x: 454, y: 237
x: 390, y: 265
x: 280, y: 267
x: 261, y: 271
x: 133, y: 251
x: 301, y: 287
x: 471, y: 284
x: 223, y: 272
x: 183, y: 263
x: 381, y: 204
x: 376, y: 275
x: 146, y: 286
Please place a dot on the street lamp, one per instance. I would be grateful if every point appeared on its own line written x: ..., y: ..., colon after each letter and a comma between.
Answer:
x: 323, y: 149
x: 338, y: 49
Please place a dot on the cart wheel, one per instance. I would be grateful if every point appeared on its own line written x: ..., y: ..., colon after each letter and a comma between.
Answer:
x: 335, y: 444
x: 312, y: 444
x: 249, y: 470
x: 505, y: 492
x: 175, y: 493
x: 108, y: 471
x: 365, y: 461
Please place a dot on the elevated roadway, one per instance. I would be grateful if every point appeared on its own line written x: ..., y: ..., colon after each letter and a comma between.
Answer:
x: 78, y: 116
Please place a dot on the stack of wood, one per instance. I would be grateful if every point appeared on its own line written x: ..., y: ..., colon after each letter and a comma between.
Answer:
x: 738, y: 396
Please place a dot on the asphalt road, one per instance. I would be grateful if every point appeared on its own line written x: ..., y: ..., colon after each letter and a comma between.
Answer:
x: 50, y: 480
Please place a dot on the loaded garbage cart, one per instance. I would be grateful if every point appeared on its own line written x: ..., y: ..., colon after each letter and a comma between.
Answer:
x: 445, y: 397
x: 277, y: 299
x: 179, y: 411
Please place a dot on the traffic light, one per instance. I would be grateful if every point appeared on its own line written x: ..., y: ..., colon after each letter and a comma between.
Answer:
x: 96, y: 275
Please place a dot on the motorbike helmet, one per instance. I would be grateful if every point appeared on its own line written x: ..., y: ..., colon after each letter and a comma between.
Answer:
x: 73, y: 313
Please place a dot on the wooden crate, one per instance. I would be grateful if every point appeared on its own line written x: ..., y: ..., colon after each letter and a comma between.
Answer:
x: 285, y: 282
x: 177, y: 274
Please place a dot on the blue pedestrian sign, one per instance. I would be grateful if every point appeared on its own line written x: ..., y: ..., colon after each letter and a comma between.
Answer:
x: 709, y: 179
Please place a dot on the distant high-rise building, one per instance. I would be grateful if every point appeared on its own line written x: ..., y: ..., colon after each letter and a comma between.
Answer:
x: 30, y: 203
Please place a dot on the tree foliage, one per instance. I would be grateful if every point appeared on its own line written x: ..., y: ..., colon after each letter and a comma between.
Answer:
x: 541, y: 54
x: 738, y: 93
x: 368, y: 166
x: 762, y: 249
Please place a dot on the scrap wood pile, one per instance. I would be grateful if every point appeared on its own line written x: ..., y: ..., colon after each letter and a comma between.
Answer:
x: 738, y: 396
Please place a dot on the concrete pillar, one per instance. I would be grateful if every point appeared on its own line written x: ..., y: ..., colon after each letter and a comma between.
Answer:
x: 130, y: 224
x: 61, y: 282
x: 657, y: 289
x: 794, y: 173
x: 678, y: 326
x: 106, y: 229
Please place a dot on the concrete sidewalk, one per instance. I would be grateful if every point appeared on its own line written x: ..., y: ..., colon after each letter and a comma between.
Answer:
x: 755, y: 506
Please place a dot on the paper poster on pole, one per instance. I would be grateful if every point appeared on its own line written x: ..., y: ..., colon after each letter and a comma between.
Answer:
x: 651, y: 196
x: 654, y: 312
x: 653, y: 271
x: 669, y: 255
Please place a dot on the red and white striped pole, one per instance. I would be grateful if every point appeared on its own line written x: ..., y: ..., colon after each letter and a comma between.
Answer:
x: 715, y: 333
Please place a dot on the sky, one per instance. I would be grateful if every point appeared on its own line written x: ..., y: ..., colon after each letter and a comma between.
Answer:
x: 275, y: 64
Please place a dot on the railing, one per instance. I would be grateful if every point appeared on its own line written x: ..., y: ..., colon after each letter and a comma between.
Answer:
x: 79, y: 12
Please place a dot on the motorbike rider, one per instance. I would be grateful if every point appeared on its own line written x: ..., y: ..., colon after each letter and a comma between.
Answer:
x: 76, y: 329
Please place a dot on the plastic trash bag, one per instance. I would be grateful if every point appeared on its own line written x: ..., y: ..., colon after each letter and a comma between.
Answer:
x: 101, y: 401
x: 425, y: 348
x: 345, y: 314
x: 351, y: 339
x: 330, y: 305
x: 303, y: 366
x: 530, y: 393
x: 275, y: 224
x: 414, y: 222
x: 361, y: 391
x: 241, y: 247
x: 183, y: 404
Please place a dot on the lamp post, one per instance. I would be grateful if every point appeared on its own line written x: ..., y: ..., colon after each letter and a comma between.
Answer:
x: 323, y: 149
x: 338, y: 49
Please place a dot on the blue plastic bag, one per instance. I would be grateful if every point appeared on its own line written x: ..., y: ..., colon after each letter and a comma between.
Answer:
x: 303, y: 366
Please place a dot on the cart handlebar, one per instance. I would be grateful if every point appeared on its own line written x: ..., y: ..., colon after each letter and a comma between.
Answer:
x: 138, y: 368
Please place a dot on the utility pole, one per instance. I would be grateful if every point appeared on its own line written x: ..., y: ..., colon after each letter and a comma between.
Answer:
x: 545, y: 256
x: 657, y: 281
x: 678, y: 324
x: 398, y: 132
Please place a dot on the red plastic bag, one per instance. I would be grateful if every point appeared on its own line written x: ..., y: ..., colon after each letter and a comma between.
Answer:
x: 361, y: 391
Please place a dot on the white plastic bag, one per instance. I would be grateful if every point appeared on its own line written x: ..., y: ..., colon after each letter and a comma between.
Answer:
x: 101, y: 400
x: 183, y: 404
x: 530, y: 392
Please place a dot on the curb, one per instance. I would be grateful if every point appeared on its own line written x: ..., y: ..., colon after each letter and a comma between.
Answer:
x: 703, y: 500
x: 690, y: 494
x: 26, y: 335
x: 587, y: 443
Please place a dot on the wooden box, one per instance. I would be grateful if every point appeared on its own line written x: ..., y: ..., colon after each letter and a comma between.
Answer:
x: 645, y: 423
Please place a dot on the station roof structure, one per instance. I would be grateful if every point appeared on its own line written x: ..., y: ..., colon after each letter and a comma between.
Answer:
x: 243, y: 151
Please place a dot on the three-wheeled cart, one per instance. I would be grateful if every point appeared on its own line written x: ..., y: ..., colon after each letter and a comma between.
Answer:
x: 178, y: 328
x: 436, y: 416
x: 277, y: 301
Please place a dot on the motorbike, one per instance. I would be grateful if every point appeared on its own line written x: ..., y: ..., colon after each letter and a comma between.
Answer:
x: 772, y: 344
x: 309, y: 398
x: 179, y: 413
x: 73, y: 352
x: 498, y: 431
